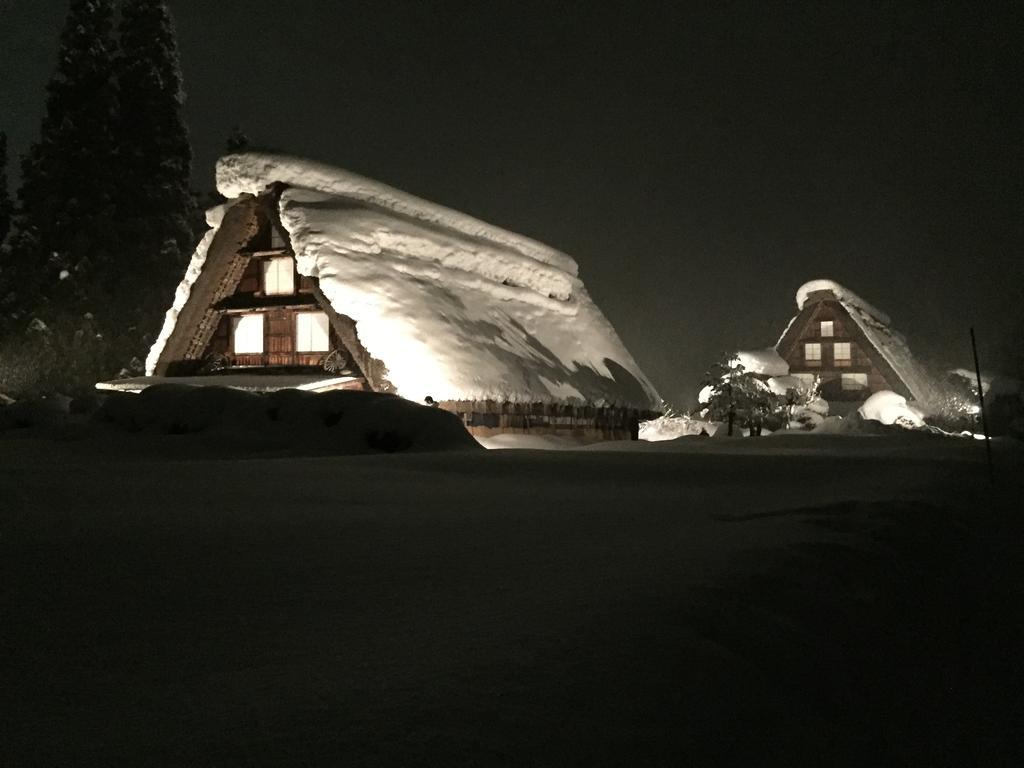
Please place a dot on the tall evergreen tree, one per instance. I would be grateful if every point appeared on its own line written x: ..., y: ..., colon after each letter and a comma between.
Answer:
x: 67, y: 196
x: 156, y: 207
x: 62, y: 247
x: 6, y: 207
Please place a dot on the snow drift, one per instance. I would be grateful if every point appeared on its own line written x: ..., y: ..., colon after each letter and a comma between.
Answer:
x: 339, y: 422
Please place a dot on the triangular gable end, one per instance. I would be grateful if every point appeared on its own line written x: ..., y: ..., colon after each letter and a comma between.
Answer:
x: 249, y: 270
x: 806, y: 329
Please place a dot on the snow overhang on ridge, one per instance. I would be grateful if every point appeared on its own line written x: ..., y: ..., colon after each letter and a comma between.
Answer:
x: 842, y: 294
x: 455, y: 308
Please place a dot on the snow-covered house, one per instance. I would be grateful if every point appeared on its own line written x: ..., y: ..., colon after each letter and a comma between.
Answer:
x: 850, y: 346
x: 315, y: 277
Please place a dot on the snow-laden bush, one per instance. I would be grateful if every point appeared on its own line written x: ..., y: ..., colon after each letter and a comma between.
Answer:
x: 887, y: 407
x: 335, y: 422
x: 672, y: 425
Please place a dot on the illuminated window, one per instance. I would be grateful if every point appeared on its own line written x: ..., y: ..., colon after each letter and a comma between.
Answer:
x: 826, y: 328
x: 854, y: 381
x: 312, y: 332
x: 841, y: 353
x: 812, y: 353
x: 278, y: 276
x: 247, y: 334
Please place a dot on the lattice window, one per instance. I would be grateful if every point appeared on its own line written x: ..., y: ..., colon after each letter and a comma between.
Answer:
x: 812, y: 353
x: 841, y: 354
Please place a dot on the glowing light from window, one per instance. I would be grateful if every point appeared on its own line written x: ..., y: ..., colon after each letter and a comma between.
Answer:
x: 279, y: 276
x: 247, y: 334
x: 312, y: 332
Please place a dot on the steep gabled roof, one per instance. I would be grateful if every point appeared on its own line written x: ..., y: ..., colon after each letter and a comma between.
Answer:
x: 886, y: 345
x: 454, y: 308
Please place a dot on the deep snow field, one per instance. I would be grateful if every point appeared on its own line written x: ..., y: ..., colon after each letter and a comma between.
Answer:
x: 790, y: 600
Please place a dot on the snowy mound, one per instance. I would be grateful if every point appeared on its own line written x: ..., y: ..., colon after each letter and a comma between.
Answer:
x: 766, y: 362
x: 341, y: 422
x: 455, y: 308
x: 890, y: 408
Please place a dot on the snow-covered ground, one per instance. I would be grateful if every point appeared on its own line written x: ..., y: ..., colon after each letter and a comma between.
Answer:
x: 798, y: 600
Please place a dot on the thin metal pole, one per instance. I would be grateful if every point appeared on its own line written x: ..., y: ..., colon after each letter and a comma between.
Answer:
x: 981, y: 405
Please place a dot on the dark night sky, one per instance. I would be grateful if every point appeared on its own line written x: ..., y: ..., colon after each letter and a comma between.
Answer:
x: 700, y: 162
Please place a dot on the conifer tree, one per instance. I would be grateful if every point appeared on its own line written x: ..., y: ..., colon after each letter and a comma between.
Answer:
x: 155, y: 204
x: 53, y: 296
x: 67, y: 195
x: 6, y: 207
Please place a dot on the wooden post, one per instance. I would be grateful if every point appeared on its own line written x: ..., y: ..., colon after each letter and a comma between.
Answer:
x: 981, y: 406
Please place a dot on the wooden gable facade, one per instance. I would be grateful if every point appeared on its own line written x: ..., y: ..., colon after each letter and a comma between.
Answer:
x: 251, y: 311
x: 824, y: 340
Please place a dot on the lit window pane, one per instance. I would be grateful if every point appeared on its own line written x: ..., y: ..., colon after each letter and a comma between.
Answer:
x: 855, y: 381
x: 812, y: 351
x: 247, y: 334
x: 312, y: 332
x: 826, y: 328
x: 278, y: 276
x: 842, y: 350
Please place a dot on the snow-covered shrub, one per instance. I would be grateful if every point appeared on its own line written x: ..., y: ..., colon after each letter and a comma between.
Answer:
x: 673, y: 425
x: 736, y: 396
x: 887, y: 407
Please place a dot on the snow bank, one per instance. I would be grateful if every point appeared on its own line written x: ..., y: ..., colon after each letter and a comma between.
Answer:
x: 766, y: 362
x: 340, y: 422
x: 456, y: 309
x: 890, y: 408
x: 780, y: 385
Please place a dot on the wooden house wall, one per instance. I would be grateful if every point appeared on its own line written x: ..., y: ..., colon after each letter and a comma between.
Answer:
x: 845, y: 329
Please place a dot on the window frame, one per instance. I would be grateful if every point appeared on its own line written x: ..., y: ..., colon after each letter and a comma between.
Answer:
x: 275, y: 262
x: 846, y: 360
x: 808, y: 359
x: 860, y: 378
x: 831, y: 329
x: 239, y: 320
x: 300, y: 347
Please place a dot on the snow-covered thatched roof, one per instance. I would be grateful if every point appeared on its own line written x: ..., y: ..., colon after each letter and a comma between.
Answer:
x: 455, y: 308
x: 875, y: 325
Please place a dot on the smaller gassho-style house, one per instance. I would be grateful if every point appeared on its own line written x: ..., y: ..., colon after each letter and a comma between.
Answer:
x: 315, y: 278
x: 850, y: 347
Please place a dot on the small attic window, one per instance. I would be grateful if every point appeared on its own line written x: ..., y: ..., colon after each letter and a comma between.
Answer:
x: 812, y: 353
x: 826, y: 328
x: 279, y: 276
x: 276, y: 238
